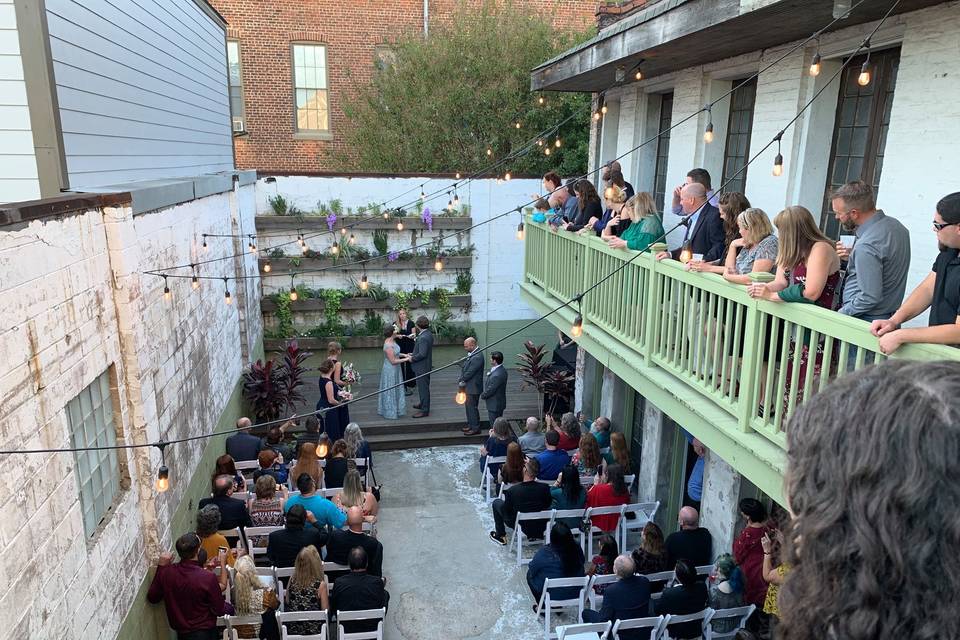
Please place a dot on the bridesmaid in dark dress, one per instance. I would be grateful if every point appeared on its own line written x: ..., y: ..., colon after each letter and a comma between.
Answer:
x: 334, y: 351
x: 404, y: 338
x: 331, y: 397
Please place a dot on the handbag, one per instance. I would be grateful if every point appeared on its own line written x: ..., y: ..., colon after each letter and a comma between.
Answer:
x: 375, y: 488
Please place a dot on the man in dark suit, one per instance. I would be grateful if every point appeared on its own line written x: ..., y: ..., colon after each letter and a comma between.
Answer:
x: 527, y: 497
x: 704, y: 233
x: 341, y: 542
x: 421, y: 363
x: 627, y: 598
x: 357, y: 591
x: 495, y: 387
x: 243, y: 445
x: 472, y: 380
x: 233, y: 512
x: 301, y: 530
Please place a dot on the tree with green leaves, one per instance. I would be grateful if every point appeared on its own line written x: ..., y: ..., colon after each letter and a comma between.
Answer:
x: 444, y: 101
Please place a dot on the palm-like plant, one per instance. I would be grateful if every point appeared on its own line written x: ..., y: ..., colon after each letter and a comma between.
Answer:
x: 273, y: 388
x: 550, y: 382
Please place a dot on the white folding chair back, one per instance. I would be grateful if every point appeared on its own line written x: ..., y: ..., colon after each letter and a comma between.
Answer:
x: 329, y: 493
x: 656, y: 625
x: 234, y: 533
x: 333, y: 566
x: 283, y: 618
x: 519, y: 536
x: 600, y: 630
x: 242, y: 495
x: 587, y: 481
x: 725, y: 614
x: 666, y: 577
x: 252, y: 536
x: 548, y: 604
x: 246, y: 465
x: 362, y: 463
x: 644, y: 512
x: 603, y: 511
x: 236, y: 621
x: 487, y: 479
x: 702, y: 616
x: 562, y: 514
x: 604, y: 450
x: 596, y: 599
x: 366, y: 614
x: 628, y: 480
x: 504, y: 486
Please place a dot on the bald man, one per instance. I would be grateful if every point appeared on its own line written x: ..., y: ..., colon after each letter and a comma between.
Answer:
x: 243, y: 445
x: 692, y: 542
x: 233, y: 512
x: 342, y: 541
x: 704, y: 232
x: 472, y: 379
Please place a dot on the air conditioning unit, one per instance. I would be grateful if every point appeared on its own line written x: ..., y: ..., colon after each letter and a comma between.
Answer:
x: 238, y: 125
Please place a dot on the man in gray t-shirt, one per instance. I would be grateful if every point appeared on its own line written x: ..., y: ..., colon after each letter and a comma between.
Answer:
x: 533, y: 441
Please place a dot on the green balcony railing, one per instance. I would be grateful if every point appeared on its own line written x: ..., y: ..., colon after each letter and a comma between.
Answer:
x: 754, y: 360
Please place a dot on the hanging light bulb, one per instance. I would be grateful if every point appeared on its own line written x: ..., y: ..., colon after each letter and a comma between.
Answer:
x: 489, y: 151
x: 461, y: 397
x: 353, y: 239
x: 708, y: 133
x: 506, y: 176
x: 438, y: 264
x: 252, y: 246
x: 815, y: 65
x: 205, y: 247
x: 423, y: 195
x: 539, y: 143
x: 517, y: 125
x: 778, y: 161
x: 364, y: 285
x: 267, y: 267
x: 335, y: 249
x: 556, y: 143
x: 540, y: 100
x: 166, y: 290
x: 577, y: 329
x: 596, y: 115
x: 226, y: 293
x: 386, y: 215
x: 520, y: 231
x: 457, y: 175
x: 638, y: 75
x: 686, y: 253
x: 293, y: 292
x: 449, y: 205
x: 163, y: 479
x: 546, y: 151
x: 343, y: 231
x: 323, y: 446
x: 195, y: 282
x: 603, y: 109
x: 400, y: 225
x: 300, y: 240
x: 864, y: 78
x: 456, y: 199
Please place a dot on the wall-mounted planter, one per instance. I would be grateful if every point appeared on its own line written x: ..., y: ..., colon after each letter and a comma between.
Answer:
x: 317, y: 304
x: 282, y: 265
x: 311, y: 224
x: 319, y: 345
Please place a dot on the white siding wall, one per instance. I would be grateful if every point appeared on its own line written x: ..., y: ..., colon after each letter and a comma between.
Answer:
x: 142, y: 90
x: 18, y: 165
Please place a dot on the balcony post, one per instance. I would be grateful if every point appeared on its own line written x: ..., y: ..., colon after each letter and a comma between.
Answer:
x: 752, y: 365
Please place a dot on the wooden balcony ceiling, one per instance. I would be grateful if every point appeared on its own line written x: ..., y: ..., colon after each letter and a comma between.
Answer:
x: 676, y: 34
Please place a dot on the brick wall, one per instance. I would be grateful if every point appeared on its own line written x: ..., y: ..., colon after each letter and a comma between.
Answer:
x: 351, y: 31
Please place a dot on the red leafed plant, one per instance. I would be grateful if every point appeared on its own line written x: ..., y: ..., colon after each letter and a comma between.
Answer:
x: 273, y: 388
x: 550, y: 382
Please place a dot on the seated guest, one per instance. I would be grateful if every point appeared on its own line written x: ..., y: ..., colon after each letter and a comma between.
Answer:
x: 266, y: 509
x: 562, y: 558
x: 324, y: 510
x: 618, y: 453
x: 233, y: 512
x: 311, y: 434
x: 527, y: 497
x: 251, y: 597
x: 651, y: 555
x: 567, y: 493
x: 609, y: 491
x: 307, y: 591
x: 341, y: 542
x: 337, y: 465
x: 226, y: 466
x: 357, y: 446
x: 692, y: 542
x: 625, y: 599
x: 569, y: 432
x: 496, y: 445
x: 192, y: 596
x: 588, y: 459
x: 512, y: 470
x: 645, y: 226
x: 308, y: 463
x: 211, y: 541
x: 301, y: 530
x: 358, y: 591
x: 690, y: 596
x: 243, y: 445
x: 353, y: 495
x: 270, y: 464
x: 552, y: 461
x: 726, y: 592
x: 532, y: 442
x: 274, y: 441
x: 602, y: 563
x: 600, y: 428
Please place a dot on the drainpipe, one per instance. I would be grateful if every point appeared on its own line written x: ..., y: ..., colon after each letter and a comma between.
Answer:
x: 426, y: 18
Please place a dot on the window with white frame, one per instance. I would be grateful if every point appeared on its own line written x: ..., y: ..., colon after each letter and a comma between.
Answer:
x: 91, y: 421
x: 311, y: 97
x: 235, y: 72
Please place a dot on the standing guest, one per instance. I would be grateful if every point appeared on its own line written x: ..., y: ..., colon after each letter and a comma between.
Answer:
x: 569, y: 432
x: 471, y: 380
x: 551, y: 461
x: 233, y: 512
x: 692, y: 542
x: 311, y: 434
x: 608, y: 490
x: 391, y: 403
x: 562, y: 558
x: 614, y: 196
x: 331, y: 399
x: 308, y: 463
x: 732, y: 206
x: 266, y: 509
x: 512, y: 470
x: 588, y: 459
x: 625, y: 599
x: 341, y: 542
x: 600, y: 428
x: 192, y: 596
x: 695, y: 481
x: 748, y: 550
x: 421, y: 362
x: 614, y: 165
x: 645, y: 226
x: 404, y: 336
x: 602, y: 563
x: 226, y: 466
x: 754, y: 251
x: 704, y: 233
x: 353, y: 495
x: 618, y: 453
x: 938, y: 291
x: 495, y: 387
x: 496, y: 445
x: 774, y: 573
x: 532, y: 442
x: 527, y: 497
x: 252, y: 598
x: 357, y: 446
x: 555, y: 196
x: 321, y: 508
x: 300, y: 530
x: 243, y: 445
x: 651, y: 555
x: 274, y: 441
x: 726, y: 592
x: 698, y: 176
x: 878, y: 261
x: 568, y: 493
x: 572, y: 205
x: 542, y: 211
x: 337, y: 465
x: 307, y: 591
x: 358, y: 591
x: 334, y: 351
x: 271, y: 465
x: 589, y: 207
x: 208, y: 527
x: 690, y: 596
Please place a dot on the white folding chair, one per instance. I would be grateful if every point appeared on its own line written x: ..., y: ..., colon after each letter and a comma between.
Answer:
x: 644, y: 512
x: 726, y: 614
x: 602, y: 511
x: 702, y: 616
x: 587, y: 481
x: 666, y: 577
x: 519, y: 536
x: 548, y: 604
x: 329, y: 493
x: 235, y: 621
x: 247, y: 465
x: 504, y: 486
x: 329, y: 567
x: 628, y: 480
x: 365, y: 614
x: 282, y: 572
x: 584, y: 631
x: 362, y: 463
x: 596, y: 599
x: 234, y: 533
x: 561, y: 514
x: 656, y: 625
x: 487, y: 479
x: 283, y: 618
x: 253, y: 535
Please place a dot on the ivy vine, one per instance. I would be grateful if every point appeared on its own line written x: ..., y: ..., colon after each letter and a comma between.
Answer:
x: 401, y: 300
x: 331, y: 306
x: 284, y: 316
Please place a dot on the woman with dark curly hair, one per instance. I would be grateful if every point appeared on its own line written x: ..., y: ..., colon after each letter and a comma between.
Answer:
x: 872, y: 463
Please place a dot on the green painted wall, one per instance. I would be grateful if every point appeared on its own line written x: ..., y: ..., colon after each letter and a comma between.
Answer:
x: 145, y: 621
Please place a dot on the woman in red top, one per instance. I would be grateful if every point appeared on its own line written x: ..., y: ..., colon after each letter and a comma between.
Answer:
x: 610, y: 491
x: 569, y: 432
x: 748, y: 551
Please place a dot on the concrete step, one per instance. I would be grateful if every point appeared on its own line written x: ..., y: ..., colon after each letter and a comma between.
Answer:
x: 389, y: 442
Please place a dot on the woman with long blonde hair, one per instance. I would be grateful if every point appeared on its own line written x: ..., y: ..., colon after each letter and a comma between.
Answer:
x: 353, y: 495
x: 308, y: 590
x: 645, y: 225
x: 309, y: 463
x: 251, y: 598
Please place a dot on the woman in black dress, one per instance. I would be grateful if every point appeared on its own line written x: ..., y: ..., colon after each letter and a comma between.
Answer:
x: 335, y: 419
x: 404, y: 338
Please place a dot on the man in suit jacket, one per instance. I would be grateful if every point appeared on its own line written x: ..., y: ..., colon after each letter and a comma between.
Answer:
x: 341, y: 542
x: 233, y: 512
x: 472, y: 379
x: 529, y: 496
x: 704, y: 233
x: 627, y: 598
x: 357, y: 591
x: 421, y: 363
x: 301, y: 530
x: 495, y: 387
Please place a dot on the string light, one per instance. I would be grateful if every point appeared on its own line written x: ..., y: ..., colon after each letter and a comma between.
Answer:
x: 226, y: 293
x: 335, y: 249
x: 603, y: 109
x: 252, y: 246
x: 423, y: 195
x: 778, y: 161
x: 489, y: 151
x: 461, y: 397
x: 557, y: 143
x: 300, y: 239
x: 343, y: 231
x: 540, y: 100
x: 456, y: 198
x: 293, y: 291
x: 353, y: 239
x: 577, y: 329
x: 267, y: 268
x: 708, y: 132
x: 539, y: 143
x: 163, y: 473
x: 506, y: 176
x: 815, y: 63
x: 457, y: 175
x: 864, y: 78
x: 520, y: 233
x: 438, y: 264
x: 546, y: 151
x: 596, y: 115
x: 364, y: 285
x: 399, y: 225
x: 305, y: 247
x: 638, y: 76
x: 205, y: 247
x: 386, y: 215
x: 166, y: 290
x: 517, y: 125
x: 196, y: 281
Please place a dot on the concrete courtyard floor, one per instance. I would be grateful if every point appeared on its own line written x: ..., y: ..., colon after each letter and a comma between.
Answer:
x: 446, y: 578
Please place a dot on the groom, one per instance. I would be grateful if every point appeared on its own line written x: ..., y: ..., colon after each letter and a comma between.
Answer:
x: 421, y: 362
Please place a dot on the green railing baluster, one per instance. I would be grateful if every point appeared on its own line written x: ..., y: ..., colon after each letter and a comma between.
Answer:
x: 769, y: 390
x: 752, y: 320
x: 843, y: 357
x: 811, y: 364
x: 794, y: 389
x: 779, y: 393
x: 829, y: 372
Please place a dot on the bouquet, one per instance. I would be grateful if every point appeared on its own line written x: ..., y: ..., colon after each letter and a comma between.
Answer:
x: 350, y: 376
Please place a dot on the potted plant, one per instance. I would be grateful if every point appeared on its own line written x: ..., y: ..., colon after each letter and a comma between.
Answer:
x: 553, y: 384
x: 273, y: 387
